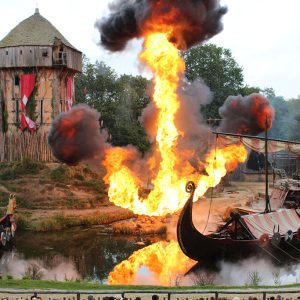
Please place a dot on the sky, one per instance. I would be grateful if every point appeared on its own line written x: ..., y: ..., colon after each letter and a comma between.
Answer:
x: 263, y: 35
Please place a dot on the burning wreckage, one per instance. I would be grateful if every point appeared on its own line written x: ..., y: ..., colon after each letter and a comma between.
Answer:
x: 181, y: 150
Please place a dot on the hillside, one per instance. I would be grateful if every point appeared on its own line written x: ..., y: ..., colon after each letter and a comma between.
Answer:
x: 56, y: 196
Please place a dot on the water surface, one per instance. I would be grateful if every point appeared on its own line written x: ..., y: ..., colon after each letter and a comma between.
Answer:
x: 71, y: 254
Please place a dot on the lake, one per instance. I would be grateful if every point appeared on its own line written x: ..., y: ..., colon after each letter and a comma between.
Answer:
x: 72, y: 254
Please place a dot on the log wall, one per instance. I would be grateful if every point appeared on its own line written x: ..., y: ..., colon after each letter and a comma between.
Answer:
x: 18, y: 145
x: 40, y: 56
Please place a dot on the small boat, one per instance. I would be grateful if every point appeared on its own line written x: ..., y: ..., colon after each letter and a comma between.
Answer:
x: 275, y: 233
x: 8, y: 225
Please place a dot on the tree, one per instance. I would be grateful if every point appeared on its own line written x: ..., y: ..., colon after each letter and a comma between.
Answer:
x: 216, y: 66
x: 281, y: 122
x: 119, y: 99
x: 294, y: 118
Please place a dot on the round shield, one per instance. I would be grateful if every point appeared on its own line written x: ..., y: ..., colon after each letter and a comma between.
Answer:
x: 3, y: 238
x: 276, y: 238
x: 8, y: 234
x: 288, y: 236
x: 264, y: 240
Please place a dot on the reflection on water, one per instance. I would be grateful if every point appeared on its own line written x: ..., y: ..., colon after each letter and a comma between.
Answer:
x: 85, y: 254
x: 162, y: 263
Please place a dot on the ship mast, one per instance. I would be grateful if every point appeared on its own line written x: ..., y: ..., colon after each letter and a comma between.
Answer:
x: 265, y: 139
x: 267, y: 198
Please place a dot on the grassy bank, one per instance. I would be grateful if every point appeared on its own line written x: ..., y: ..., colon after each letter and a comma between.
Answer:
x: 59, y: 221
x: 54, y: 196
x: 79, y: 285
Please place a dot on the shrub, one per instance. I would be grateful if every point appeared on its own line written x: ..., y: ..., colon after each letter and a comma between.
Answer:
x: 17, y: 169
x: 33, y: 272
x: 59, y: 174
x: 22, y: 221
x: 254, y: 279
x: 204, y: 278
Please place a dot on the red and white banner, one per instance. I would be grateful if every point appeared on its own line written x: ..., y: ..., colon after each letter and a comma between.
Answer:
x: 281, y: 220
x: 69, y: 98
x: 26, y: 122
x: 27, y: 82
x: 27, y: 85
x: 258, y: 145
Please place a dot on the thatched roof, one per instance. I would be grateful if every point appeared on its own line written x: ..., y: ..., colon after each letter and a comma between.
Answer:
x: 33, y: 31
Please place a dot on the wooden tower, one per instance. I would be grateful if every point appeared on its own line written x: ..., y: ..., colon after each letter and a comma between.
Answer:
x: 37, y: 68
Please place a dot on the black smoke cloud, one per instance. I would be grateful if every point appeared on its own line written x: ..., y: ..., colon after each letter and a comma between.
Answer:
x: 192, y: 21
x: 75, y: 135
x: 246, y: 115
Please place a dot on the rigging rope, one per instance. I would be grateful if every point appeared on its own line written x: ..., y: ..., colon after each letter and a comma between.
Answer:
x: 212, y: 189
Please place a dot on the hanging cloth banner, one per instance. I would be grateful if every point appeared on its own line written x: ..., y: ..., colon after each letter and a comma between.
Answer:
x: 27, y: 85
x: 258, y: 145
x: 26, y: 122
x: 69, y: 99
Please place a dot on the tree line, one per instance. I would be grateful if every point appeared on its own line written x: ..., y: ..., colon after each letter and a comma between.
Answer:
x: 121, y: 98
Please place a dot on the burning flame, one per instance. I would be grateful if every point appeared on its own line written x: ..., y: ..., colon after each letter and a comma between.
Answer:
x: 168, y: 193
x: 165, y: 260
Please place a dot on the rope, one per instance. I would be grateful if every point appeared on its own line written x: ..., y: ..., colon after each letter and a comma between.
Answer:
x: 212, y: 190
x: 293, y: 246
x: 262, y: 248
x: 289, y: 255
x: 211, y: 197
x: 279, y: 248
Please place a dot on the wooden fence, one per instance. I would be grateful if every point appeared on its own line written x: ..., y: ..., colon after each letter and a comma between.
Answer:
x: 242, y: 294
x: 15, y: 146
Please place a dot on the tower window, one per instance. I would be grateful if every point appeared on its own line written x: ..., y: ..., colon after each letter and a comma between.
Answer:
x: 17, y: 80
x: 6, y: 52
x: 21, y: 52
x: 45, y: 52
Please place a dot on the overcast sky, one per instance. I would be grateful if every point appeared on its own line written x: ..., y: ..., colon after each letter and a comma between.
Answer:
x: 263, y: 35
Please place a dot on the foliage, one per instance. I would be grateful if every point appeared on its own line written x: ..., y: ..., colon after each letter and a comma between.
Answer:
x: 33, y: 272
x: 23, y: 221
x: 32, y: 104
x: 294, y: 118
x: 119, y: 99
x: 60, y: 221
x: 80, y: 175
x: 254, y: 279
x: 203, y: 278
x: 221, y: 73
x: 17, y: 169
x: 276, y: 278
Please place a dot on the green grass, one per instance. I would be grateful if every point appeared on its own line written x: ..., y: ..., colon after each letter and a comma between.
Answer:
x: 81, y: 285
x: 14, y: 170
x: 23, y: 221
x: 80, y: 176
x: 60, y: 221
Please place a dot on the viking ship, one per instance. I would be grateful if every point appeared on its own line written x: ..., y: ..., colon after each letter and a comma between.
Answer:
x: 275, y: 233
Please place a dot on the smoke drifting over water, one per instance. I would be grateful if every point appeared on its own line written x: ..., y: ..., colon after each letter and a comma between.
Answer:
x: 192, y: 21
x: 241, y: 273
x: 16, y: 265
x: 75, y: 135
x: 246, y: 115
